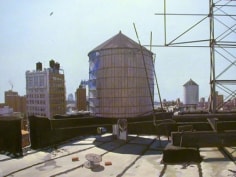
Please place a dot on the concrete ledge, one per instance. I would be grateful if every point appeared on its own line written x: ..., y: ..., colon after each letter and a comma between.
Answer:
x: 204, y: 139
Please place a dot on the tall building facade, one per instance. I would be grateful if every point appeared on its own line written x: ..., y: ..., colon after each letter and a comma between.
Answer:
x: 81, y: 98
x: 45, y: 90
x: 219, y: 100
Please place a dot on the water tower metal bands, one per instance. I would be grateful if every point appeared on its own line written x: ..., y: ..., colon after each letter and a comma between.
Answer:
x: 118, y: 85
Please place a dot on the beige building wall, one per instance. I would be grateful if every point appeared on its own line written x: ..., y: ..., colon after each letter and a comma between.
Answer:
x: 13, y: 100
x: 219, y: 100
x: 81, y: 99
x: 57, y: 98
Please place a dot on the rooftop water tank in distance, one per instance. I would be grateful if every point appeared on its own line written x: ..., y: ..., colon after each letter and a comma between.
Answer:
x: 39, y: 66
x: 191, y: 92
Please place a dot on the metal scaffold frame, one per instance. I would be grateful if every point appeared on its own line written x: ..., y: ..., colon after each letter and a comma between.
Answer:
x: 221, y: 44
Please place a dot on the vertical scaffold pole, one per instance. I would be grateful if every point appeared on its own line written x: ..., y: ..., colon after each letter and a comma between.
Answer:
x: 212, y: 59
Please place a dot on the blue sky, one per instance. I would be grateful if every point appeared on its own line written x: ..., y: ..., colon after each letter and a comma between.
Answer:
x: 28, y: 34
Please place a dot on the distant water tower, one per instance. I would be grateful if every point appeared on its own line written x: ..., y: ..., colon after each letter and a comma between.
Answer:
x: 39, y: 66
x: 191, y: 93
x: 118, y: 82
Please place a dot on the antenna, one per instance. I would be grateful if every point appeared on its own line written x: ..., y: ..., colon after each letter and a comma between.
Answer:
x: 145, y: 67
x: 153, y: 65
x: 11, y: 84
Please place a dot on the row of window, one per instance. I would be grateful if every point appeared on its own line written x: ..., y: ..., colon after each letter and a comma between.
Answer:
x: 57, y: 89
x: 36, y: 90
x: 35, y: 96
x: 57, y: 101
x: 35, y: 81
x: 41, y: 109
x: 40, y: 80
x: 38, y: 102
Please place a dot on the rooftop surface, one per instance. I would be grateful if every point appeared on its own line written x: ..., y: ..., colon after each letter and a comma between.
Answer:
x: 139, y: 156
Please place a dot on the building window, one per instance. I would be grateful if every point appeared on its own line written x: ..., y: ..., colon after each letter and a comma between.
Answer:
x: 41, y: 81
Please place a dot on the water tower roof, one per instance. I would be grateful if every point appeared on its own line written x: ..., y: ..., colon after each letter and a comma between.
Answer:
x: 118, y: 41
x: 190, y: 82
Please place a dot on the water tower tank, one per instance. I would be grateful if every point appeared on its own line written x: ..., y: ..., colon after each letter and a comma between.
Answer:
x: 118, y: 83
x: 52, y: 63
x: 39, y: 66
x: 191, y: 92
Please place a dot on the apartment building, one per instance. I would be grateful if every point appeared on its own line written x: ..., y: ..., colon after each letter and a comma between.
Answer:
x: 45, y: 90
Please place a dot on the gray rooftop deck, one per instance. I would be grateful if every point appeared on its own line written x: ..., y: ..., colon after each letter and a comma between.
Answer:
x: 139, y: 156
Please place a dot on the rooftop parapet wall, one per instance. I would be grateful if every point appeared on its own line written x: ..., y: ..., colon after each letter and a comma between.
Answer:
x: 10, y: 136
x: 48, y: 132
